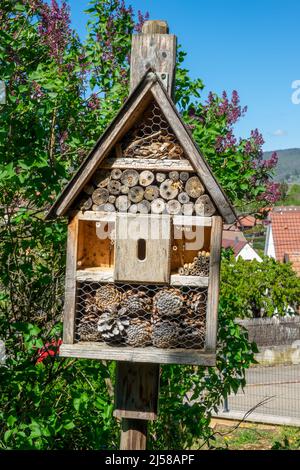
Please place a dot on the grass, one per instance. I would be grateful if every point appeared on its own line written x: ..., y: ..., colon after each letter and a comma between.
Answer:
x: 250, y: 436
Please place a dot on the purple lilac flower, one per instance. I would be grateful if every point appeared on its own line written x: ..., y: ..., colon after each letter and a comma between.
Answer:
x: 54, y: 28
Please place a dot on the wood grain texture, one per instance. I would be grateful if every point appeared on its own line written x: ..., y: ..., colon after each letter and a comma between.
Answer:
x: 192, y: 221
x: 137, y: 389
x: 133, y: 434
x: 70, y: 282
x: 155, y: 27
x: 95, y: 275
x: 97, y: 216
x: 148, y: 164
x: 153, y: 355
x: 214, y: 284
x: 156, y: 52
x: 193, y: 281
x: 94, y: 247
x: 156, y: 231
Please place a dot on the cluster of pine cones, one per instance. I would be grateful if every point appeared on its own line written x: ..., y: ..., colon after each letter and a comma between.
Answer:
x: 169, y: 319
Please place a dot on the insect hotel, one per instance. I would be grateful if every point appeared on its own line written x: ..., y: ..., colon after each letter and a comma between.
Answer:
x: 145, y: 227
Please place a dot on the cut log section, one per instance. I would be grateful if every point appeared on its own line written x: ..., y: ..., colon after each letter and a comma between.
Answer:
x: 144, y: 207
x: 124, y: 189
x: 122, y: 203
x: 174, y: 175
x: 173, y: 207
x: 114, y: 187
x: 104, y: 182
x: 146, y: 178
x: 130, y: 178
x: 183, y: 198
x: 100, y: 196
x: 104, y: 207
x: 184, y: 176
x: 194, y: 187
x: 151, y: 193
x: 136, y: 194
x: 116, y: 174
x: 85, y: 204
x: 168, y: 190
x: 112, y: 199
x: 188, y: 209
x: 204, y: 206
x: 158, y: 206
x: 160, y: 177
x: 133, y: 209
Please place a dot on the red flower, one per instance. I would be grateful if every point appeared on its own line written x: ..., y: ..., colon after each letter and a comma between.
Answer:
x: 49, y: 349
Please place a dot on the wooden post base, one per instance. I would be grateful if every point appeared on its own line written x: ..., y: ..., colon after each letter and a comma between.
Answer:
x: 134, y: 434
x: 136, y: 402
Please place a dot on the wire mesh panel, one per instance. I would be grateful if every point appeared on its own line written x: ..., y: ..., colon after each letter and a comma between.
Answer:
x: 141, y: 316
x: 152, y: 137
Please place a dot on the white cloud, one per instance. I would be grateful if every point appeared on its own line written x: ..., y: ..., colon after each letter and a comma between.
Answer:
x: 279, y: 133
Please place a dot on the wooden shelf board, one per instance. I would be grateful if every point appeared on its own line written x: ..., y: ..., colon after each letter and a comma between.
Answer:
x: 91, y: 350
x: 95, y: 274
x: 196, y: 281
x: 192, y: 220
x: 148, y: 164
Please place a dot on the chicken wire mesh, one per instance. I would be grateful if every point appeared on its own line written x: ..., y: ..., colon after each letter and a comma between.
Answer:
x: 140, y: 316
x: 152, y: 137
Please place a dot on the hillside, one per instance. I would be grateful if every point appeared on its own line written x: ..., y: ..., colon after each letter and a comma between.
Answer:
x: 288, y: 168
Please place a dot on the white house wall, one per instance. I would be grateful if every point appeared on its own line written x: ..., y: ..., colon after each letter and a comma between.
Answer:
x: 248, y: 253
x: 269, y: 247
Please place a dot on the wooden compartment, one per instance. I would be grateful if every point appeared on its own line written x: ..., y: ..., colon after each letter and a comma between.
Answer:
x: 189, y: 238
x: 95, y: 245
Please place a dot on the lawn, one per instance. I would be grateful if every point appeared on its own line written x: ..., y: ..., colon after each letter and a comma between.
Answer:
x: 250, y: 436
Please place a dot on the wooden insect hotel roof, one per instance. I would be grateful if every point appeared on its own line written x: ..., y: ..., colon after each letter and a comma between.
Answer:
x: 150, y: 95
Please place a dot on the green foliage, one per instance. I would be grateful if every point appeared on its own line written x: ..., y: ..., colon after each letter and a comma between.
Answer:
x: 274, y: 287
x: 54, y: 404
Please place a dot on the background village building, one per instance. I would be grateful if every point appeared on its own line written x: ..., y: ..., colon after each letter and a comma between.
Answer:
x: 283, y: 235
x: 239, y: 244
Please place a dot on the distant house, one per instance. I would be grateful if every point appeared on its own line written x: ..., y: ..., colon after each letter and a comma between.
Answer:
x: 240, y: 246
x: 283, y: 235
x: 244, y: 223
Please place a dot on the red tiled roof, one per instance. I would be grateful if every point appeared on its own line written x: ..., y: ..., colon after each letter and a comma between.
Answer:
x: 235, y: 245
x: 286, y: 231
x: 234, y: 239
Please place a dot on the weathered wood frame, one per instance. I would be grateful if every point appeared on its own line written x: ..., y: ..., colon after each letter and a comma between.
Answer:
x: 91, y: 350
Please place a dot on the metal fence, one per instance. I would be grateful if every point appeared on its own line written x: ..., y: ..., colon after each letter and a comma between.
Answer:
x: 272, y: 393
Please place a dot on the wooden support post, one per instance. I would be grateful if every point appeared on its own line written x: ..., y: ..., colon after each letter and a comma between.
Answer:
x: 133, y: 434
x: 136, y: 401
x: 137, y: 384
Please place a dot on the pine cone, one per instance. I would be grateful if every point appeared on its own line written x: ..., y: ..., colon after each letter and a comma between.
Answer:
x: 165, y: 334
x: 112, y: 324
x: 139, y: 333
x: 136, y: 304
x: 107, y: 296
x: 167, y: 302
x: 87, y: 328
x: 195, y: 305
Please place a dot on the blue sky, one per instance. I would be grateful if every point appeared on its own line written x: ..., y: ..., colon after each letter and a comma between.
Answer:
x: 248, y: 45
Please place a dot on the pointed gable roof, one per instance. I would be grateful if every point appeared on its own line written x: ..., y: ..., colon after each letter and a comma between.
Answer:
x: 150, y: 88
